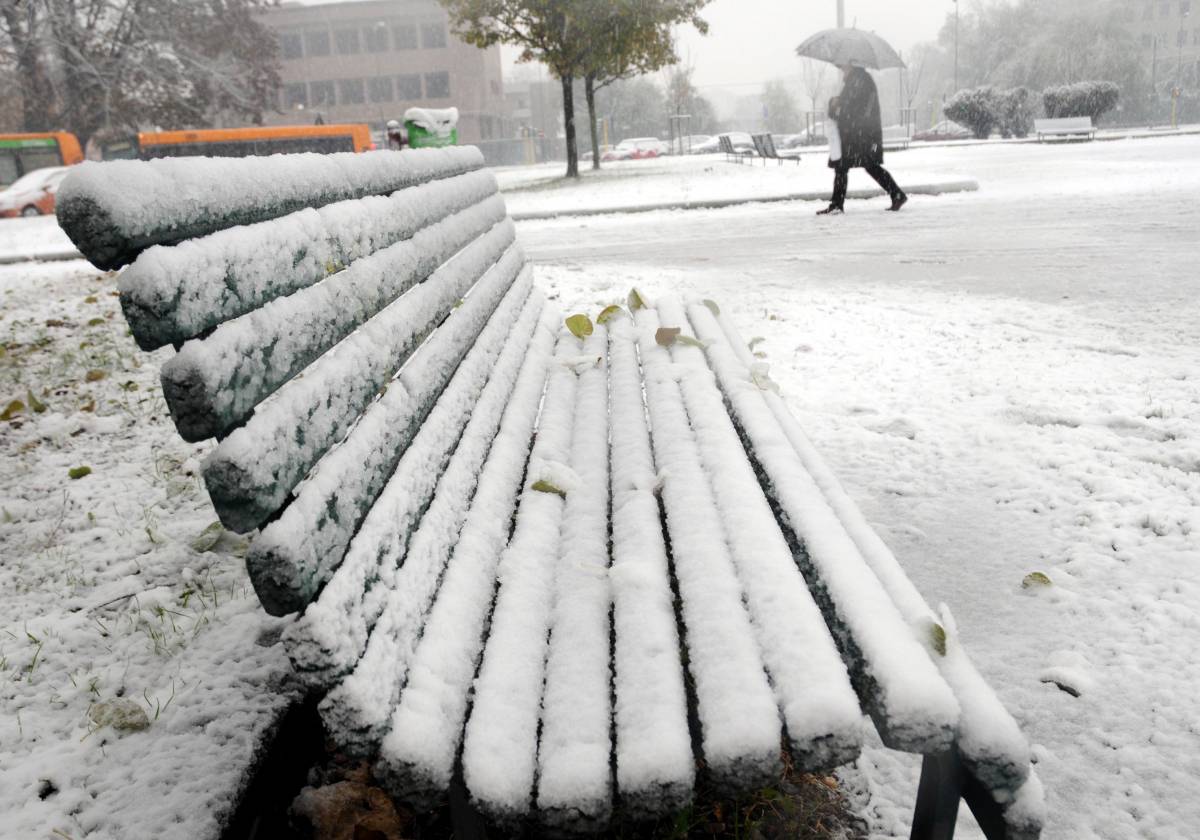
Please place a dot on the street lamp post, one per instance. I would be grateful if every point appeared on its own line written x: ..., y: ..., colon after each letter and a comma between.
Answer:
x: 380, y: 26
x: 1177, y: 90
x: 956, y: 46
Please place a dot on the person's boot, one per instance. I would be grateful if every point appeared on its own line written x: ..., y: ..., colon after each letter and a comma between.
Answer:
x: 831, y: 210
x: 898, y: 202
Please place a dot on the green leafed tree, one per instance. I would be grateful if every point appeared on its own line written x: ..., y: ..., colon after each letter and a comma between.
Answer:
x: 629, y: 38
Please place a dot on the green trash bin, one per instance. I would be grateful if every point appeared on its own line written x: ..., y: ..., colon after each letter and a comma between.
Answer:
x: 430, y: 128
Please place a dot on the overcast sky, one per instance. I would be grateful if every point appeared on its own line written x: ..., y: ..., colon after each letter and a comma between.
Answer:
x: 752, y: 41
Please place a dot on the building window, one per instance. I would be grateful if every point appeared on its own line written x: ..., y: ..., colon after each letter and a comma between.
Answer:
x: 380, y: 89
x: 316, y: 42
x: 376, y: 37
x: 347, y: 41
x: 433, y: 35
x: 295, y: 95
x: 408, y: 88
x: 1164, y: 9
x: 405, y: 36
x: 321, y: 94
x: 291, y: 45
x: 437, y: 85
x: 351, y: 92
x: 1185, y: 8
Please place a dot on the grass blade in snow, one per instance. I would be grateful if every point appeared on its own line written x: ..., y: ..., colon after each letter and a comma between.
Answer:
x: 897, y: 683
x: 114, y: 210
x: 250, y: 474
x: 500, y: 744
x: 357, y: 711
x: 416, y: 759
x: 574, y: 772
x: 171, y: 294
x: 820, y: 709
x: 655, y: 767
x: 211, y: 384
x: 989, y: 739
x: 739, y: 722
x: 330, y: 637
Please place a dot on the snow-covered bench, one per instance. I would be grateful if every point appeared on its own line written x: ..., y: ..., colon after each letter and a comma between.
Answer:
x: 764, y: 144
x: 568, y: 569
x: 1064, y: 127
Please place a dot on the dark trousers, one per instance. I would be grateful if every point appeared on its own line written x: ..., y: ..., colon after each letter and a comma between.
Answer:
x: 841, y: 179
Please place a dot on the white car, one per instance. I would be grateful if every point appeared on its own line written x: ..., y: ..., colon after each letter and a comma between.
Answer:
x: 32, y: 194
x: 637, y: 148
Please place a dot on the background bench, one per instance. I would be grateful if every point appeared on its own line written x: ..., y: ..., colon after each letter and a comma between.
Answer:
x: 521, y: 556
x: 765, y: 145
x: 895, y: 139
x: 1064, y: 127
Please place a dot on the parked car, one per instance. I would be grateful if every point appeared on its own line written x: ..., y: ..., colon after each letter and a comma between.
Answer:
x: 945, y: 130
x: 637, y: 148
x: 32, y: 194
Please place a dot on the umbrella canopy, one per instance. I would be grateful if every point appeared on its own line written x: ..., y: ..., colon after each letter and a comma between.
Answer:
x: 850, y: 46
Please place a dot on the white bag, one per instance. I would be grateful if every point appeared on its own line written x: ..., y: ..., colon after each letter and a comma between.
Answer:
x: 835, y: 142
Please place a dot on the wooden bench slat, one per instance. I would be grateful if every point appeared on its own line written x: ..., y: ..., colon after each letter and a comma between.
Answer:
x: 740, y: 728
x: 331, y: 635
x: 500, y: 743
x: 358, y: 709
x: 212, y: 384
x: 575, y: 749
x: 418, y: 755
x: 174, y: 293
x: 990, y: 740
x: 898, y: 684
x: 820, y: 710
x: 114, y: 210
x: 252, y: 472
x: 655, y: 767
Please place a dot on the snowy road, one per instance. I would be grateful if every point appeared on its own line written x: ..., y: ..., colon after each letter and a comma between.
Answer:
x: 1007, y: 381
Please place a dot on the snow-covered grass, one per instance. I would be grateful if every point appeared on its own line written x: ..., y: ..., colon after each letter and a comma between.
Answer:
x: 113, y: 586
x: 37, y: 235
x: 1006, y: 382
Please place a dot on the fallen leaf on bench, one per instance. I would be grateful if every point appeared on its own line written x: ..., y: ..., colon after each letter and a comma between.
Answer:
x: 636, y: 301
x: 1035, y: 579
x: 609, y: 313
x: 543, y: 486
x: 580, y: 326
x: 937, y: 638
x: 666, y: 336
x: 712, y: 307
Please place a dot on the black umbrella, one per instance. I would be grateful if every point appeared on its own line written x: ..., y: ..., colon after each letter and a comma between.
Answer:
x: 850, y: 47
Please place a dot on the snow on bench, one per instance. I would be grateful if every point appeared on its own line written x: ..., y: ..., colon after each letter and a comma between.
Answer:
x: 1064, y: 127
x: 573, y: 570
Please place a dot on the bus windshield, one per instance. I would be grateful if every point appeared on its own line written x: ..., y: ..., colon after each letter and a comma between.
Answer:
x: 24, y: 153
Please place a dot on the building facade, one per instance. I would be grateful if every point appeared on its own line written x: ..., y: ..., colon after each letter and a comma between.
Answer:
x: 1168, y: 32
x: 371, y: 61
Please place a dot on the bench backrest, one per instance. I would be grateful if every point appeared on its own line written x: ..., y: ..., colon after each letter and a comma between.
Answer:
x: 1063, y: 124
x: 319, y: 304
x: 726, y: 144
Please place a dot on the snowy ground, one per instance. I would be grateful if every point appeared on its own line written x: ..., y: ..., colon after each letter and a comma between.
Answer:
x: 113, y: 589
x: 1005, y: 380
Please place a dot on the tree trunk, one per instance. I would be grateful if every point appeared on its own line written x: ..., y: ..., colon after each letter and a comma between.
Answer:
x: 589, y: 87
x: 568, y: 92
x: 35, y: 85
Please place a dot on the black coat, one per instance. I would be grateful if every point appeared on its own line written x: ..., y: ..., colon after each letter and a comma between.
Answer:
x: 856, y: 111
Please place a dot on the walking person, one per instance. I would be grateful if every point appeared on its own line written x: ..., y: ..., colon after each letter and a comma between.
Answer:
x: 858, y: 140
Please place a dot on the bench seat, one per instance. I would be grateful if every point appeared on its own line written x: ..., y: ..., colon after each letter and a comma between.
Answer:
x: 1064, y: 127
x: 572, y: 570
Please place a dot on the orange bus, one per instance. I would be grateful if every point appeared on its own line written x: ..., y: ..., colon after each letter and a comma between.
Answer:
x: 241, y: 142
x: 21, y: 154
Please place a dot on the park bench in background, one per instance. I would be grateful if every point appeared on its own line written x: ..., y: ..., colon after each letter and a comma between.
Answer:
x: 765, y: 146
x: 732, y: 155
x: 520, y: 556
x: 1064, y: 127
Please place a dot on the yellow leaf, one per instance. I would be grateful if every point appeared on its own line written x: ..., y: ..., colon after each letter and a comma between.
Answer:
x: 580, y: 326
x: 666, y: 335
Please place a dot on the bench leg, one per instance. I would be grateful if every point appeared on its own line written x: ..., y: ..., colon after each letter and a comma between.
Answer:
x: 467, y: 823
x: 941, y: 788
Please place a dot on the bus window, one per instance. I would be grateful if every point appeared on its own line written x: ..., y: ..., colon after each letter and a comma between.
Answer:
x: 24, y: 153
x: 243, y: 142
